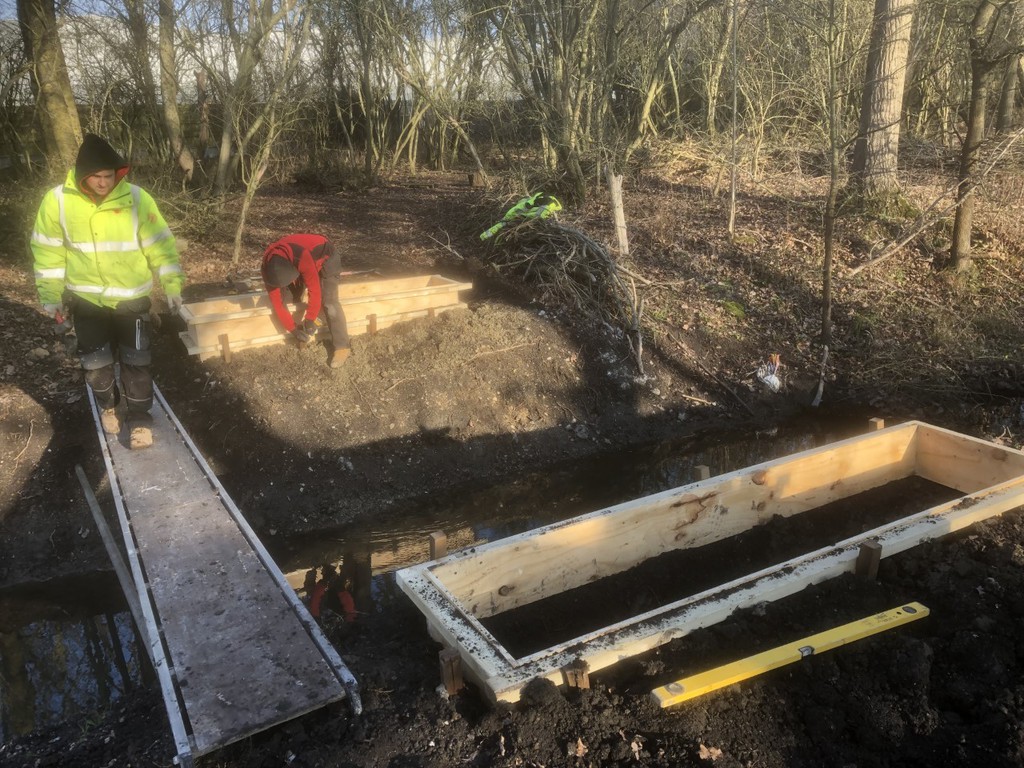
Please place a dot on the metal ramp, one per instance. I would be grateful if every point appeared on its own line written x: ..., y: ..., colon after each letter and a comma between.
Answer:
x: 234, y: 648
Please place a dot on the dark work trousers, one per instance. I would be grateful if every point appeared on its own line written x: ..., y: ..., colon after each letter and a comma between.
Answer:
x: 330, y: 278
x: 106, y: 335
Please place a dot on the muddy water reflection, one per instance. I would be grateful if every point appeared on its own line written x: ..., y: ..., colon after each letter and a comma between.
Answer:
x: 400, y: 537
x: 69, y: 650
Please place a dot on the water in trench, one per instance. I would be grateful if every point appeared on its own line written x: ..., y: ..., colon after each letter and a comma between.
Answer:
x: 69, y: 650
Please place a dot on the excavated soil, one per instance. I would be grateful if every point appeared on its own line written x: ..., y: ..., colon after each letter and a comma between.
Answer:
x: 508, y: 386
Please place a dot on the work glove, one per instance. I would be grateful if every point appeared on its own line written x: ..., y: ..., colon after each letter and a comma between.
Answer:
x: 300, y: 335
x: 62, y: 322
x: 174, y: 303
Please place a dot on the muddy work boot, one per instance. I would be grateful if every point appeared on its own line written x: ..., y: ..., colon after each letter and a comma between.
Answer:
x: 141, y: 437
x: 110, y: 421
x: 338, y: 357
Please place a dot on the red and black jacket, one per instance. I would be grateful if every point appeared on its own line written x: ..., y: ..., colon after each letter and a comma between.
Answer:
x: 307, y: 253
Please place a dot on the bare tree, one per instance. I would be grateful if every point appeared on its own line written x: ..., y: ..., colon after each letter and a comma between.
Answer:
x: 440, y: 56
x: 992, y: 39
x: 13, y: 82
x: 1008, y: 94
x: 169, y: 91
x: 572, y: 63
x: 355, y: 52
x: 876, y: 149
x: 57, y: 113
x: 933, y: 93
x: 258, y: 127
x: 249, y: 52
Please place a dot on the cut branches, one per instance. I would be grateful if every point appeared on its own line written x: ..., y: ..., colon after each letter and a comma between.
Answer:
x: 572, y: 270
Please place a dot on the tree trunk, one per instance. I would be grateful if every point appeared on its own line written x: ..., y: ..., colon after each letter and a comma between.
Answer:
x: 203, y: 107
x: 139, y: 65
x: 960, y: 249
x: 58, y: 114
x: 876, y: 150
x: 716, y: 68
x: 369, y: 108
x: 169, y: 89
x: 1008, y: 95
x: 227, y: 142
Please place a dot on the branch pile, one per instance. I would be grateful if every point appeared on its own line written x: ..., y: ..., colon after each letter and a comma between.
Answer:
x: 572, y: 270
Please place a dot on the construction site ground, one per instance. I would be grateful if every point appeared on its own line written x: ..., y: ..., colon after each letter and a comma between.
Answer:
x: 519, y: 382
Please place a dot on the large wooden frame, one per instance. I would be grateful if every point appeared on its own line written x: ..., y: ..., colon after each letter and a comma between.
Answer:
x: 227, y: 323
x: 454, y: 592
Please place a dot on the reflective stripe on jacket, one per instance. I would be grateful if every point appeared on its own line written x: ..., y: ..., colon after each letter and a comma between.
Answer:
x: 105, y: 253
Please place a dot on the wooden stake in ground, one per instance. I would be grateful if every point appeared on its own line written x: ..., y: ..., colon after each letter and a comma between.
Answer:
x: 618, y: 213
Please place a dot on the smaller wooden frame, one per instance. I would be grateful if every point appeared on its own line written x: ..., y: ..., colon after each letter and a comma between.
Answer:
x: 369, y: 306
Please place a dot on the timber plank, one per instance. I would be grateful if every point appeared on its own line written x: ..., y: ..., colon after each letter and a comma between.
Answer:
x: 964, y: 462
x: 520, y: 569
x: 355, y: 328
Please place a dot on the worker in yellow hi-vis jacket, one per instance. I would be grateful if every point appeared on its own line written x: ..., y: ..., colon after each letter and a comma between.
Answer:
x: 539, y: 205
x: 96, y: 242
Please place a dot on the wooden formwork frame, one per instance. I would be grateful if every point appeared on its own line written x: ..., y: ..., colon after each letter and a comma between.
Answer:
x: 456, y: 591
x: 221, y: 325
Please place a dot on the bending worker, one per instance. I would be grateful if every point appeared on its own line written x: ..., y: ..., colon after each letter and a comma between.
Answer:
x: 307, y: 262
x: 96, y: 242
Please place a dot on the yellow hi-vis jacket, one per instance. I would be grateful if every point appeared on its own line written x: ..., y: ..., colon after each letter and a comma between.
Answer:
x: 104, y: 253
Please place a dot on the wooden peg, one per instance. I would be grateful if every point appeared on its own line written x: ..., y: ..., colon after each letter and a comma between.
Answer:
x: 868, y: 557
x: 438, y: 545
x: 702, y: 471
x: 577, y: 674
x: 876, y: 424
x: 225, y: 347
x: 451, y: 670
x: 371, y: 324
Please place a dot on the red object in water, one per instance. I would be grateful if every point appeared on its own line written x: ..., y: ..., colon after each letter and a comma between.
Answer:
x: 316, y: 598
x: 348, y: 605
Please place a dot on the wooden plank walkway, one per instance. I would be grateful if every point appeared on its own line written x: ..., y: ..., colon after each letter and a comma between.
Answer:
x: 235, y: 649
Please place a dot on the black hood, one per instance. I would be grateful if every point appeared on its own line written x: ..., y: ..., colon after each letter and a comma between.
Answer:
x: 279, y: 272
x: 95, y: 155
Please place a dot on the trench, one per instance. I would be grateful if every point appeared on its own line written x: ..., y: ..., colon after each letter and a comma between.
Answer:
x: 68, y: 650
x: 681, y: 573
